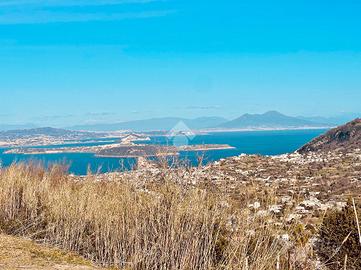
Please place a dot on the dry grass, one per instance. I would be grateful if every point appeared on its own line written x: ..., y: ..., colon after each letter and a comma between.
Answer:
x: 18, y: 253
x: 115, y: 223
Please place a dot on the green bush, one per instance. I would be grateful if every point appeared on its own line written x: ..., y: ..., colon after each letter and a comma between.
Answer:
x: 339, y: 237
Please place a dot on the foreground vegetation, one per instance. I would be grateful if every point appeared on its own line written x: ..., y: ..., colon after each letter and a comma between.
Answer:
x: 165, y: 226
x: 156, y: 224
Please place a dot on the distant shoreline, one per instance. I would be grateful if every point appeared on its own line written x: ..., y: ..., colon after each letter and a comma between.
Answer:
x: 97, y: 150
x: 261, y: 129
x: 138, y: 156
x: 207, y: 131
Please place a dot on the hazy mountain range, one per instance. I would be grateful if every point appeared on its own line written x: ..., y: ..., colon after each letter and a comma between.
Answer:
x: 16, y: 127
x: 333, y: 120
x: 166, y: 123
x: 268, y: 120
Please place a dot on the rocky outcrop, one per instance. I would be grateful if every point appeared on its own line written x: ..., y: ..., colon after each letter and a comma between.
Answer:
x: 344, y: 138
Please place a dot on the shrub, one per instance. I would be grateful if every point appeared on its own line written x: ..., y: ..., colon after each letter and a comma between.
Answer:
x: 339, y: 237
x: 300, y: 235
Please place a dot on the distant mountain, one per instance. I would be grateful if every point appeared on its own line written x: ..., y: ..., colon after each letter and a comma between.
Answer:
x: 333, y: 120
x: 46, y: 131
x: 271, y: 119
x: 346, y: 137
x: 161, y: 124
x: 4, y: 127
x: 204, y: 122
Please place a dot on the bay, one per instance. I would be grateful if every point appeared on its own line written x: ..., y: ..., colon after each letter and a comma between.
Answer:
x: 247, y: 142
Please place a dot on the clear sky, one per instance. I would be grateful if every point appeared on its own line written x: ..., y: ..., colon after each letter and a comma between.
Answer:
x: 64, y: 62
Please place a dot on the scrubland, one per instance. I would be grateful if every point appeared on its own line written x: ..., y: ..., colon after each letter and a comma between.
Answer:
x: 157, y: 221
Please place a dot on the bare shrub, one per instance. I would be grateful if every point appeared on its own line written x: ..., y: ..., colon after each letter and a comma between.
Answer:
x: 339, y: 237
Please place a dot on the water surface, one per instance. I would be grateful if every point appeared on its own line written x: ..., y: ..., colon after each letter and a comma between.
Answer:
x: 250, y: 142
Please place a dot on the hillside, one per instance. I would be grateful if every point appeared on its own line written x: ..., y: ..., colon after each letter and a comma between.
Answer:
x: 345, y: 138
x: 46, y: 131
x: 43, y: 136
x: 159, y: 217
x: 4, y: 127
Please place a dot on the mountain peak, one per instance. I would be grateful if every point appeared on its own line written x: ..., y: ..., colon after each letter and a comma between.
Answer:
x: 273, y: 113
x: 270, y: 119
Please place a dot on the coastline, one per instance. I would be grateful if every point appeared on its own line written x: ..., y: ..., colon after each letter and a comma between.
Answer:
x: 212, y: 148
x: 226, y: 130
x: 262, y: 129
x: 137, y: 156
x: 96, y: 150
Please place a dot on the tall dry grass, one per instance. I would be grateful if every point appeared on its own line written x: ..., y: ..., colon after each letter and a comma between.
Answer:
x: 116, y: 223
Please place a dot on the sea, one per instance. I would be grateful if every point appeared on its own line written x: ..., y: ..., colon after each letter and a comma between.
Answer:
x: 245, y: 142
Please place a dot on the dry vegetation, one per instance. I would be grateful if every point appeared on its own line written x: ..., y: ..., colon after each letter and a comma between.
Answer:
x: 116, y: 223
x: 247, y: 212
x: 339, y: 244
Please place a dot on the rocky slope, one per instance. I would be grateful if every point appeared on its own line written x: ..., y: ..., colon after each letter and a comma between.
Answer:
x: 298, y: 186
x: 344, y: 138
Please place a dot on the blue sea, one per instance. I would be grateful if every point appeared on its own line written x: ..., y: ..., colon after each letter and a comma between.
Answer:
x: 248, y: 142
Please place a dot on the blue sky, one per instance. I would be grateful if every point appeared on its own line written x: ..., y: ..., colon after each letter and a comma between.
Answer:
x: 64, y: 62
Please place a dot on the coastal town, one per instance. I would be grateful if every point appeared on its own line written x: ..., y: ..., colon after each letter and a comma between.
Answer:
x: 112, y: 144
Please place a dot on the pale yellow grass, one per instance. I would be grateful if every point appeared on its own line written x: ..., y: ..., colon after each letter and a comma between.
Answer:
x: 164, y: 225
x: 17, y: 253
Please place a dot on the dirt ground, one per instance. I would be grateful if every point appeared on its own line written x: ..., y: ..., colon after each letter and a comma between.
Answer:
x: 18, y: 253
